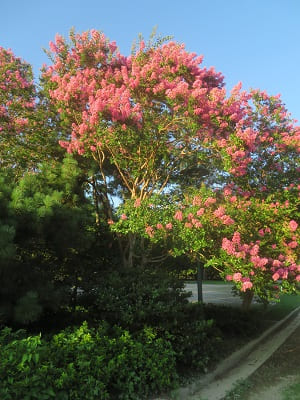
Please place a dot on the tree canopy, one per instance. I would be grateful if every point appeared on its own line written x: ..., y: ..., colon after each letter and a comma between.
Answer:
x: 196, y: 170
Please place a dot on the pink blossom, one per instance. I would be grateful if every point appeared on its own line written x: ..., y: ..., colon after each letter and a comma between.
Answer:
x: 246, y: 285
x: 227, y: 191
x: 149, y: 230
x: 285, y: 274
x: 178, y: 215
x: 200, y: 212
x: 110, y: 222
x: 209, y: 201
x: 277, y: 263
x: 197, y: 201
x: 254, y: 251
x: 293, y: 225
x: 228, y: 246
x: 190, y: 216
x: 124, y: 217
x: 275, y: 276
x: 188, y: 225
x: 169, y: 226
x: 137, y: 203
x: 229, y: 277
x: 159, y: 226
x: 197, y: 224
x: 227, y: 220
x: 219, y: 212
x: 236, y: 238
x: 298, y: 278
x: 293, y: 244
x: 237, y: 277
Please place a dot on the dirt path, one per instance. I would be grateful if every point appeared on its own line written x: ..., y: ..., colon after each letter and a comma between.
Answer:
x: 261, y: 352
x: 282, y: 371
x: 244, y: 363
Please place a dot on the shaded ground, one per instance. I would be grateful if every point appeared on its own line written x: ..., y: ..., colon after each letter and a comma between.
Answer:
x: 278, y: 378
x: 241, y: 365
x: 266, y: 368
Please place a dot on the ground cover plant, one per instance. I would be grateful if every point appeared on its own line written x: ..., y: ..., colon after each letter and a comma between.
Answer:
x: 102, y: 363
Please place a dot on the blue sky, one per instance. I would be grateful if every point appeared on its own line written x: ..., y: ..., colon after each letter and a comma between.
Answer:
x: 256, y: 42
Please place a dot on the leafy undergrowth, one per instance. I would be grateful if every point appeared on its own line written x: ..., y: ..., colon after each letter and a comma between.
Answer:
x: 142, y: 337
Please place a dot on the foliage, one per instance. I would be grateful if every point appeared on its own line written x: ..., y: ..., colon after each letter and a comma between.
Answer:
x: 50, y: 241
x: 200, y: 174
x: 86, y: 363
x: 137, y: 298
x: 157, y: 113
x: 251, y: 241
x: 234, y: 322
x: 138, y: 113
x: 17, y: 104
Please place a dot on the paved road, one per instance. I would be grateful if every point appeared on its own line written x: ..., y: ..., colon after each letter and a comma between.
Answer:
x: 217, y: 294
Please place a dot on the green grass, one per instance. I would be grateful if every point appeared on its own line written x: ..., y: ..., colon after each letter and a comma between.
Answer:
x: 292, y: 392
x: 279, y: 310
x: 239, y: 391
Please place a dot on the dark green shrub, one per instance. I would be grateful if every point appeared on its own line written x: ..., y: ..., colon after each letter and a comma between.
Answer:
x: 138, y: 298
x: 85, y: 363
x: 195, y: 340
x: 234, y: 322
x: 134, y: 298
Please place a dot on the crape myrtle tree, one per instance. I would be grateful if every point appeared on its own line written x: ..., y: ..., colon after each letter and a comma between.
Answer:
x: 28, y: 125
x: 249, y: 224
x: 246, y: 227
x: 146, y: 119
x: 156, y: 117
x: 17, y: 102
x: 251, y: 242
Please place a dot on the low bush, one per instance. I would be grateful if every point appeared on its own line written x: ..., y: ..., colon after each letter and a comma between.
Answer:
x: 137, y: 298
x: 84, y: 363
x: 234, y: 322
x: 134, y: 298
x: 196, y: 345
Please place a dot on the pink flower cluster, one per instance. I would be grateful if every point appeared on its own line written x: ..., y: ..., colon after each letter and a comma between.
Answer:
x: 17, y: 93
x: 281, y: 267
x: 220, y: 213
x: 237, y: 277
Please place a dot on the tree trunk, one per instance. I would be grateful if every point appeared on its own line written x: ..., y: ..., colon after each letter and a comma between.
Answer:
x: 132, y: 239
x: 247, y: 300
x: 200, y: 281
x: 95, y: 198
